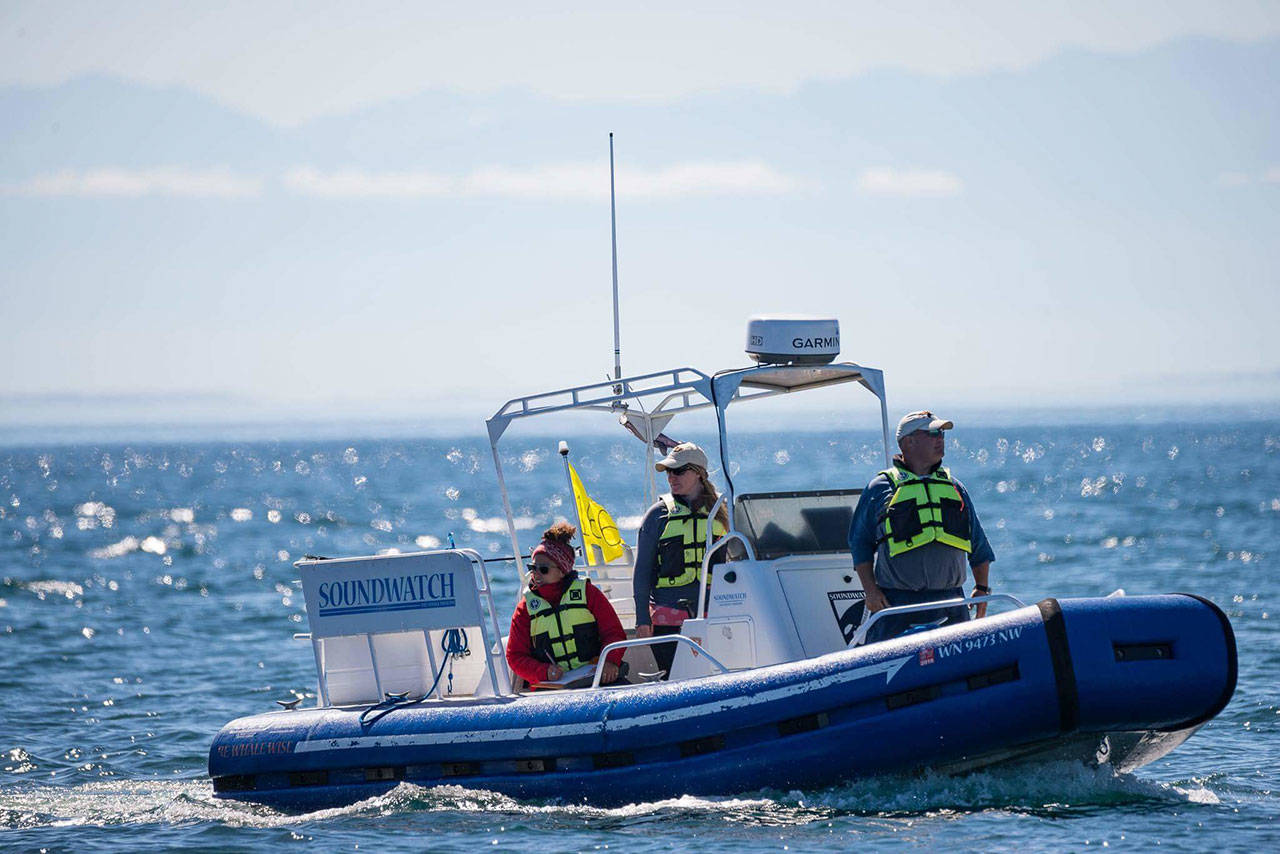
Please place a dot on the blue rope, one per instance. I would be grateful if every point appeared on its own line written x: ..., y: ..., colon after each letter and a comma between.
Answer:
x: 454, y: 645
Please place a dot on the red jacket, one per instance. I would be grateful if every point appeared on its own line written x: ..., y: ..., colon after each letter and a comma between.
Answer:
x: 520, y: 642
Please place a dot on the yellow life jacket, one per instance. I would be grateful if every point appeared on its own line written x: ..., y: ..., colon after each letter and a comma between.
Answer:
x: 924, y: 510
x: 683, y: 543
x: 564, y: 633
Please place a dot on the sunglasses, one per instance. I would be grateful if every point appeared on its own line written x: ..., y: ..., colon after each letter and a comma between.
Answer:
x: 930, y: 433
x: 541, y: 570
x: 680, y: 470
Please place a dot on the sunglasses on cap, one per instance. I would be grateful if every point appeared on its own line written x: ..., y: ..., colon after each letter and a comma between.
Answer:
x: 540, y: 569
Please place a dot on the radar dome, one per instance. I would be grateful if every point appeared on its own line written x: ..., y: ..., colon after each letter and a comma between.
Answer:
x: 793, y: 340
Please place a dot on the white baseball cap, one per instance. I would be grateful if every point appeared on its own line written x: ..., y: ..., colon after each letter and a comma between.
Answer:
x: 922, y: 420
x: 684, y: 454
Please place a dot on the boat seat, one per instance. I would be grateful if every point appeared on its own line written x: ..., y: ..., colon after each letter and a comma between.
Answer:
x: 401, y: 624
x: 402, y: 665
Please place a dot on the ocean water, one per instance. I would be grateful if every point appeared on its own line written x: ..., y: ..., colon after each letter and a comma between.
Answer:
x: 147, y: 596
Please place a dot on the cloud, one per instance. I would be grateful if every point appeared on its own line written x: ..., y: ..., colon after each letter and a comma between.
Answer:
x: 1271, y: 175
x: 1233, y: 179
x: 570, y: 182
x: 354, y: 183
x: 133, y: 183
x: 567, y: 182
x: 909, y: 183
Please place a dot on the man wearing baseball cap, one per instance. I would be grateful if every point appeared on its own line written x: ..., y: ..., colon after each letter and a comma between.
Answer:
x: 915, y: 535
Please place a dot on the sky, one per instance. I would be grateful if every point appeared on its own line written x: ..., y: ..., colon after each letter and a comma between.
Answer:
x: 262, y: 209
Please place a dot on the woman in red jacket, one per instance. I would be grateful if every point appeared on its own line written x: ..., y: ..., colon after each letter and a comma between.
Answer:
x: 563, y: 621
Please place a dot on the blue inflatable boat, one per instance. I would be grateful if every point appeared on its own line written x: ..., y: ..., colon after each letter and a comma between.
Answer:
x: 770, y: 687
x: 1121, y: 680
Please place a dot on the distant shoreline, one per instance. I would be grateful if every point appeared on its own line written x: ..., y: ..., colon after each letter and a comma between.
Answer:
x: 205, y: 430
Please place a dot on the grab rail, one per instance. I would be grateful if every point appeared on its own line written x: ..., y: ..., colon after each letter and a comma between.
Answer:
x: 860, y: 636
x: 709, y: 551
x: 622, y: 644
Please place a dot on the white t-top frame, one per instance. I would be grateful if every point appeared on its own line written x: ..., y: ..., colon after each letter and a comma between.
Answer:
x: 650, y: 401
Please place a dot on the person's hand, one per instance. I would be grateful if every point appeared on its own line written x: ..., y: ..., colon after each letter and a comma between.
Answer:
x: 981, y: 608
x: 554, y: 671
x: 645, y: 631
x: 875, y: 600
x: 532, y: 581
x: 609, y: 674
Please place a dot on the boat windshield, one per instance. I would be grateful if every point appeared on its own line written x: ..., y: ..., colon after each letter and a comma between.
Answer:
x: 790, y: 523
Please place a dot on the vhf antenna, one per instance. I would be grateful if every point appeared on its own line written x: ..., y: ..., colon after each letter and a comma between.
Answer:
x: 613, y: 225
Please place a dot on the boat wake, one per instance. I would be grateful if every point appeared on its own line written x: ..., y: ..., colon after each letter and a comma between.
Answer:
x: 1044, y: 789
x: 1041, y: 788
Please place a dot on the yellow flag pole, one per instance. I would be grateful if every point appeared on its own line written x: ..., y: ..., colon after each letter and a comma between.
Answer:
x: 573, y: 498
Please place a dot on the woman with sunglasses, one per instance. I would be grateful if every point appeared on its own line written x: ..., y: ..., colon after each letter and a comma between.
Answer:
x: 670, y: 547
x: 563, y: 621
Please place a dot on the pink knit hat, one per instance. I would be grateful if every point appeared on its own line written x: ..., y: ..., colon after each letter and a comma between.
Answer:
x: 561, y: 553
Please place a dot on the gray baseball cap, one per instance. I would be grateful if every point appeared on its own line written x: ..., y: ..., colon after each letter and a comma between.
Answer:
x: 922, y: 420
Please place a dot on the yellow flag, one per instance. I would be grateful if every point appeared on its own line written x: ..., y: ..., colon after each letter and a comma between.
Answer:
x: 598, y: 527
